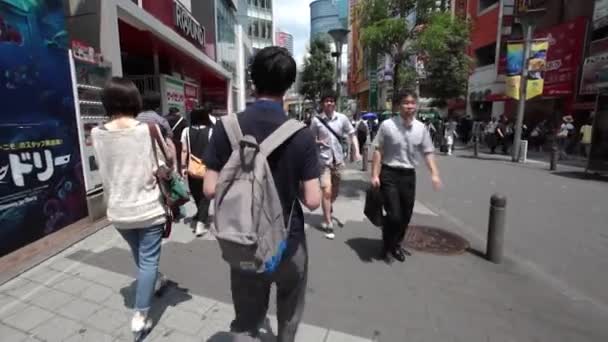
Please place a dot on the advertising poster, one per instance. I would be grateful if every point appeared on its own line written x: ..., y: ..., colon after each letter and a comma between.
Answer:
x: 173, y: 94
x: 41, y: 181
x: 536, y: 69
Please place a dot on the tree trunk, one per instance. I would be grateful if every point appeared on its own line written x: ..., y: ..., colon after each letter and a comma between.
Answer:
x: 396, y: 65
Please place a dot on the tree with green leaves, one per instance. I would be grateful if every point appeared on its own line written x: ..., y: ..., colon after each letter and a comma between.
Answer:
x: 390, y: 27
x: 442, y: 45
x: 404, y: 29
x: 318, y: 73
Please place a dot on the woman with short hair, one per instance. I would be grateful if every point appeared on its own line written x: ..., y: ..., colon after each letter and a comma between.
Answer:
x: 127, y: 164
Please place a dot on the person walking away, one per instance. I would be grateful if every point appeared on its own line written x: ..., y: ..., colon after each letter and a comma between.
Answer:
x: 400, y: 142
x: 330, y: 128
x: 151, y: 108
x: 450, y: 135
x: 564, y: 135
x: 195, y: 139
x: 501, y: 135
x: 586, y: 133
x: 490, y: 134
x: 177, y: 123
x: 362, y: 132
x: 127, y: 164
x: 295, y: 169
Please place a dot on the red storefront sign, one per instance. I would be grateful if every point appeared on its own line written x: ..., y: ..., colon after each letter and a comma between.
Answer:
x: 564, y: 58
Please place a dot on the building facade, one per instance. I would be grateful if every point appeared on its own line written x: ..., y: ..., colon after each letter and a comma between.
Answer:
x: 285, y: 40
x: 324, y: 17
x: 565, y: 25
x: 260, y: 27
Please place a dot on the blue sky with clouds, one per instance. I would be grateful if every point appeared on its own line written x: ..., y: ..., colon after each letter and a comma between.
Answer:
x: 293, y: 16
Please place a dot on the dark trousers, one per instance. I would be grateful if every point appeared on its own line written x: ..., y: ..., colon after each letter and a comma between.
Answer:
x: 202, y: 203
x: 398, y: 187
x: 251, y: 293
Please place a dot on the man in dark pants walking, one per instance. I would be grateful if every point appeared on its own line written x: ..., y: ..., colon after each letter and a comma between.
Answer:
x: 295, y: 169
x: 399, y: 142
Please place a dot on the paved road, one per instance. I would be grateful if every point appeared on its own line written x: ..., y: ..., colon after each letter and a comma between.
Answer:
x: 352, y: 296
x: 557, y: 222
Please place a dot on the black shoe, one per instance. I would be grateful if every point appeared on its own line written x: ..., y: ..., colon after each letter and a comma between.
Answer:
x: 398, y: 254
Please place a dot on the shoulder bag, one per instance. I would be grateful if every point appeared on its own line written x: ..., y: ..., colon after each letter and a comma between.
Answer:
x: 172, y: 187
x: 195, y: 168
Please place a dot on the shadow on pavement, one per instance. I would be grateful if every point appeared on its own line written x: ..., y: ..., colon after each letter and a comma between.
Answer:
x: 172, y: 295
x: 582, y: 175
x: 368, y: 250
x: 266, y: 335
x: 477, y: 253
x: 353, y: 188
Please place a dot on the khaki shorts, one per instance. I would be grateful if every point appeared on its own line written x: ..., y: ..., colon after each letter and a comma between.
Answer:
x: 331, y: 175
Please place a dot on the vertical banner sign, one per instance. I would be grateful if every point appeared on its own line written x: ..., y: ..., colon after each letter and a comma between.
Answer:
x: 41, y: 181
x: 373, y: 85
x: 536, y: 69
x: 173, y: 94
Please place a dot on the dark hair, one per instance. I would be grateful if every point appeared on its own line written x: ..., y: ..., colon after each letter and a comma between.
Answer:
x: 151, y: 101
x: 403, y: 94
x: 173, y: 110
x: 121, y: 96
x: 200, y: 116
x: 329, y: 94
x: 273, y: 71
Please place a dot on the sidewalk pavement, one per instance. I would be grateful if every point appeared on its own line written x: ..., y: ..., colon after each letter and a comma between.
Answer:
x: 84, y: 293
x: 67, y: 299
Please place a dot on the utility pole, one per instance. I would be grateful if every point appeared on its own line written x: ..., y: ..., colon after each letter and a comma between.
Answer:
x: 527, y: 19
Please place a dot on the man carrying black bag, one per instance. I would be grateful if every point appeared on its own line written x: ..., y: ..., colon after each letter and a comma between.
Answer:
x: 399, y: 142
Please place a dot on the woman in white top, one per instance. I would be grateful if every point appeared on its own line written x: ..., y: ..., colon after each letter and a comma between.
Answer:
x: 123, y: 148
x: 194, y: 141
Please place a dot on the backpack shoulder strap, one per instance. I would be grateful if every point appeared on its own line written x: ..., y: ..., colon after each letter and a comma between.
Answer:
x: 280, y: 135
x: 233, y: 130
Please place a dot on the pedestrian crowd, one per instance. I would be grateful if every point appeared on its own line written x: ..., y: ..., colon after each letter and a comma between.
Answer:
x: 258, y: 168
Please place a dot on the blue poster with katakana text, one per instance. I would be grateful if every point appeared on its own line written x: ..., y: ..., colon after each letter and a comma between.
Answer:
x: 41, y: 180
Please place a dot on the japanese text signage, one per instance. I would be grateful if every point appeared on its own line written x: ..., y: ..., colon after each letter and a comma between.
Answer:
x: 41, y: 181
x: 187, y: 25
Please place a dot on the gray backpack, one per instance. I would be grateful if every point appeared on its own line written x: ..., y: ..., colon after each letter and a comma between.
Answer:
x: 249, y: 221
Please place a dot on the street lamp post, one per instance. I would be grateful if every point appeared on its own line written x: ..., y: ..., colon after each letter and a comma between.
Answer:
x: 527, y: 20
x: 339, y: 37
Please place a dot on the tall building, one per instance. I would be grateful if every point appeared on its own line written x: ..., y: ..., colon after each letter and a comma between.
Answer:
x: 261, y: 23
x: 323, y: 17
x: 284, y: 39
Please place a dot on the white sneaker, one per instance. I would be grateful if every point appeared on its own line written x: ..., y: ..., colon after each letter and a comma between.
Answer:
x: 329, y: 230
x: 201, y: 229
x: 140, y: 325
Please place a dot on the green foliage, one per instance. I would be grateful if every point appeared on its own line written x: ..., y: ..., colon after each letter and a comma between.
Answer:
x: 435, y: 36
x: 318, y: 73
x: 443, y: 44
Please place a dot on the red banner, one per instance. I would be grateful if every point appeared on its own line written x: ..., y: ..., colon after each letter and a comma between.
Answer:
x: 565, y: 56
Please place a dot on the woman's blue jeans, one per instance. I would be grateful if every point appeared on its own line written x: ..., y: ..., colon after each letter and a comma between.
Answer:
x: 145, y: 245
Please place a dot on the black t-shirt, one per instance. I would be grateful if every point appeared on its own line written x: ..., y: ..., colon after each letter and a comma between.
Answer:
x: 297, y: 160
x: 177, y: 127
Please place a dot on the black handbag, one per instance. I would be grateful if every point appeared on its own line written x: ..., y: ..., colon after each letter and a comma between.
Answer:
x: 373, y: 206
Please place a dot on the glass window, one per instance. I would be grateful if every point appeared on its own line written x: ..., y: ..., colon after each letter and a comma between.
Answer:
x: 486, y: 55
x: 484, y: 4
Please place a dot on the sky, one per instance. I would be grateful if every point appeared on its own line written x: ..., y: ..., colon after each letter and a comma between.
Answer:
x: 293, y: 16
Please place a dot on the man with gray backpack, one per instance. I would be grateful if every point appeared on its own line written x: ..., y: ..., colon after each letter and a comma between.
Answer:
x: 260, y: 165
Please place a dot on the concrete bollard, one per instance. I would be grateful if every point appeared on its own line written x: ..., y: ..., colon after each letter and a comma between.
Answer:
x: 554, y: 157
x: 496, y: 228
x: 364, y: 158
x: 476, y: 146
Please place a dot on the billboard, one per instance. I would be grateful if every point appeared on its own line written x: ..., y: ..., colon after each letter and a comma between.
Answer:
x: 41, y: 182
x: 536, y: 68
